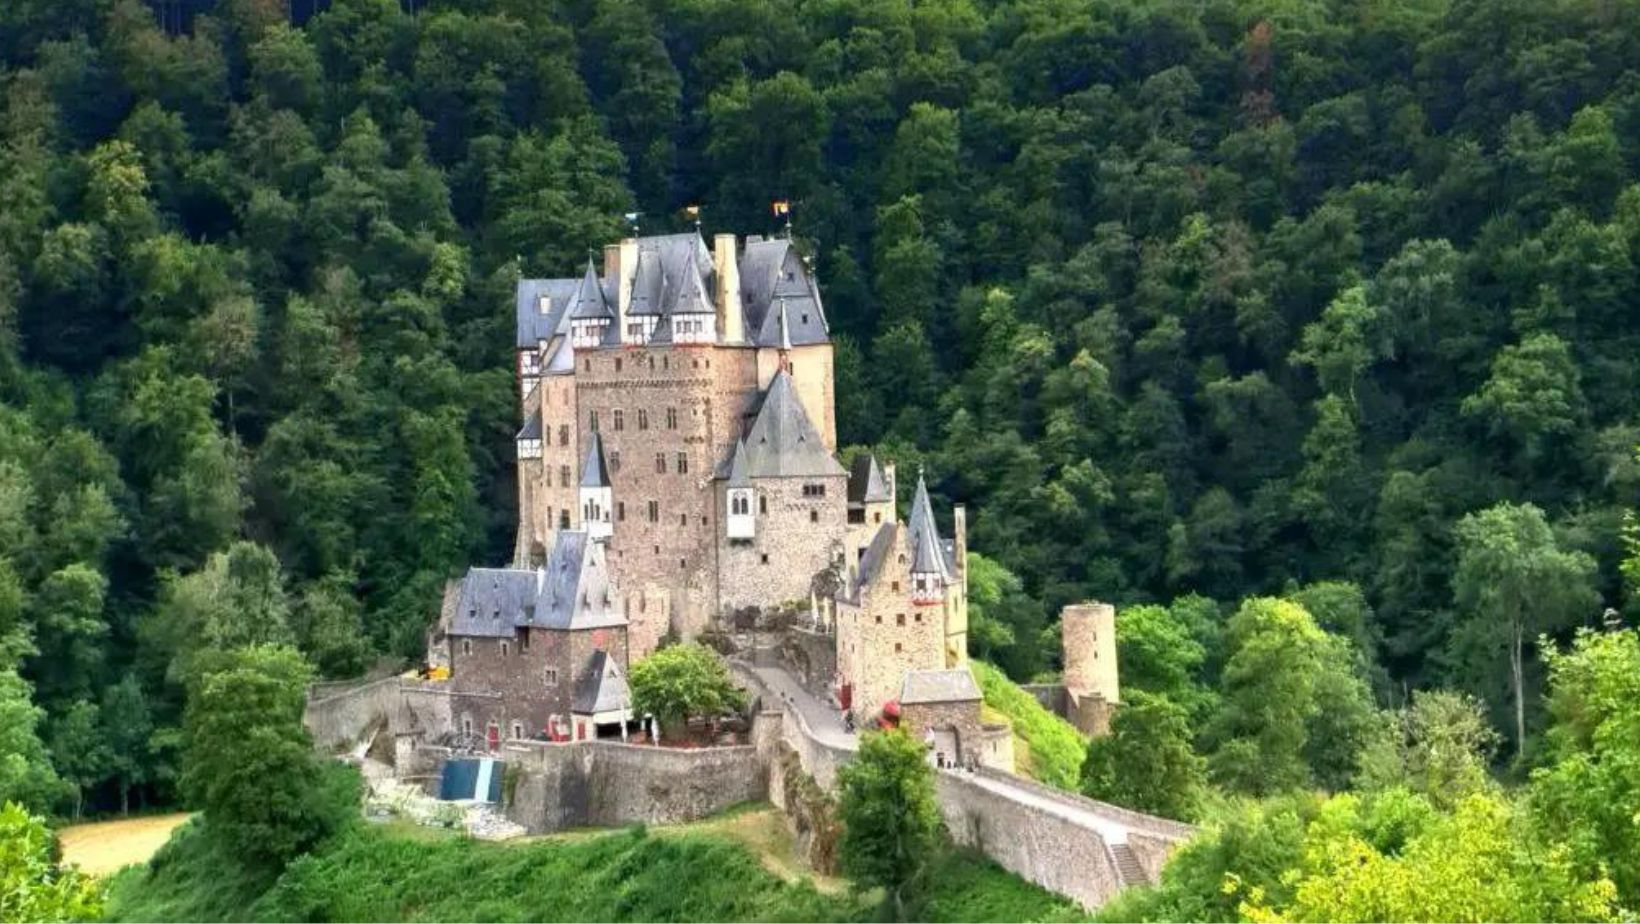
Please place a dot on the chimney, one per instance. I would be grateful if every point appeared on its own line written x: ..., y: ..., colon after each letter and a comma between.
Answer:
x: 612, y: 262
x: 628, y: 264
x: 731, y: 317
x: 893, y: 492
x: 959, y: 529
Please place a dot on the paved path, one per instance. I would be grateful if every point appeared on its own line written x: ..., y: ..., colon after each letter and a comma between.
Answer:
x: 824, y: 720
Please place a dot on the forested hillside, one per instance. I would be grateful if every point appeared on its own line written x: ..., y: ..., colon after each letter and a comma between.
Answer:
x: 1222, y: 298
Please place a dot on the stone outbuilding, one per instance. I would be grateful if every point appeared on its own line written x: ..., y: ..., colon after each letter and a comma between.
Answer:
x: 942, y: 708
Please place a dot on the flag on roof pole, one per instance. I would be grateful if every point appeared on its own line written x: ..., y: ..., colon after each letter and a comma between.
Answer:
x: 782, y: 207
x: 633, y: 216
x: 692, y: 212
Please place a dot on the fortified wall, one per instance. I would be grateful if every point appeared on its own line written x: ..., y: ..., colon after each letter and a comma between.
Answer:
x: 608, y: 784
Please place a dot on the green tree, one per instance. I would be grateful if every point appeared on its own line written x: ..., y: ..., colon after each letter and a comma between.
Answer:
x: 682, y: 681
x: 1147, y: 762
x: 26, y: 774
x: 1513, y: 582
x: 1586, y: 790
x: 128, y: 727
x: 237, y: 599
x: 34, y: 885
x: 1439, y: 746
x: 891, y: 820
x: 248, y: 762
x: 79, y: 750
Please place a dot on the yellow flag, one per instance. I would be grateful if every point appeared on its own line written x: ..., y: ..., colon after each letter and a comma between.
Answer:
x: 692, y: 211
x: 782, y: 207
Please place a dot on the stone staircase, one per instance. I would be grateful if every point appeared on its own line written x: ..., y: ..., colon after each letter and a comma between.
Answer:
x: 1127, y: 866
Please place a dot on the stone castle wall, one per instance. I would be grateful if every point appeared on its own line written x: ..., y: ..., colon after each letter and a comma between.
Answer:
x: 339, y: 716
x: 886, y: 636
x: 796, y: 539
x: 666, y: 416
x: 608, y: 784
x: 533, y: 684
x: 1032, y: 841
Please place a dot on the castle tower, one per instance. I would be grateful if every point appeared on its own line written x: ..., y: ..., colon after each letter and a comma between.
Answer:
x: 1088, y: 634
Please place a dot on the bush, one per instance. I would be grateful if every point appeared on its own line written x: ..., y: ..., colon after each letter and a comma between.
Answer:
x: 1054, y: 749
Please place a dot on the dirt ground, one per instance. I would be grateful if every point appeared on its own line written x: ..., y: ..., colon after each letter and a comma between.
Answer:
x: 104, y: 847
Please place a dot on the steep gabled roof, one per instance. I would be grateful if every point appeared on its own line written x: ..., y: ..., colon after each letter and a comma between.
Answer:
x: 927, y: 555
x: 783, y: 442
x: 740, y: 469
x: 874, y: 557
x: 589, y: 297
x: 772, y: 274
x: 602, y: 687
x: 594, y: 473
x: 532, y: 325
x: 866, y: 483
x: 532, y: 427
x: 571, y: 591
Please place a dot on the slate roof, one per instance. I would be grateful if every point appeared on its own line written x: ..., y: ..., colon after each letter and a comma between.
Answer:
x: 675, y: 274
x: 532, y: 427
x: 954, y: 685
x: 594, y: 473
x: 572, y: 591
x: 866, y: 484
x: 739, y: 469
x: 783, y: 442
x: 927, y: 549
x: 875, y: 556
x: 590, y: 300
x: 602, y: 687
x: 533, y: 326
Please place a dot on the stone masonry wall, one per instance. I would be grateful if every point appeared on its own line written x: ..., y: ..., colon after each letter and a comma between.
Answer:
x: 1029, y: 841
x: 534, y: 683
x: 886, y: 636
x: 653, y: 404
x: 796, y: 539
x: 963, y: 717
x: 607, y: 784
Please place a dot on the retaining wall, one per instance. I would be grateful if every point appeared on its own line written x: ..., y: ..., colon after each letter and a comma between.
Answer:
x: 1033, y: 843
x: 609, y: 784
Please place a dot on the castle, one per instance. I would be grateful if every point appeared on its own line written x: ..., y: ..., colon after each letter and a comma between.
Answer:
x: 678, y: 419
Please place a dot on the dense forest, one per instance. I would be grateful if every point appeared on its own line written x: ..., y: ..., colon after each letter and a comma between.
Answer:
x: 1190, y: 302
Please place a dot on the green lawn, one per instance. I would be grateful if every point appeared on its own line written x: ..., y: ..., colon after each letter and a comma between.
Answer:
x: 1046, y: 747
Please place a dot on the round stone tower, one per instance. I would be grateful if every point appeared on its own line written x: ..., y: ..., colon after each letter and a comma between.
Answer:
x: 1088, y: 634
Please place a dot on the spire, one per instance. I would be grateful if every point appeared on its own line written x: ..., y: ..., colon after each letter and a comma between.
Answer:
x: 926, y: 556
x: 876, y: 485
x: 739, y: 467
x: 594, y: 474
x: 589, y: 296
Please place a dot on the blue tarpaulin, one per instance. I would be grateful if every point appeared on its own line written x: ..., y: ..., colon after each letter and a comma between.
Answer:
x: 471, y: 778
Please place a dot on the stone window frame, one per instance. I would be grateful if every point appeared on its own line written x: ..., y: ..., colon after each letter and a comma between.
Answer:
x: 660, y: 463
x: 550, y: 677
x: 671, y: 418
x: 517, y: 730
x: 898, y: 648
x: 618, y: 417
x: 466, y: 646
x: 506, y: 648
x: 467, y: 725
x: 614, y: 460
x: 765, y: 557
x: 654, y: 511
x: 564, y: 477
x: 683, y: 463
x: 814, y: 516
x: 617, y: 364
x: 899, y: 619
x: 763, y: 504
x: 592, y: 421
x: 563, y: 434
x: 620, y: 511
x: 524, y: 636
x: 643, y: 413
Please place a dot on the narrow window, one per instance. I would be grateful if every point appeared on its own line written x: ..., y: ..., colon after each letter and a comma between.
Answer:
x: 899, y: 619
x: 552, y: 676
x: 895, y: 586
x: 671, y: 418
x: 524, y: 637
x: 654, y: 511
x: 620, y: 511
x: 467, y: 725
x: 563, y: 434
x: 620, y: 417
x: 683, y: 463
x: 660, y: 463
x: 563, y: 476
x: 897, y: 648
x: 763, y: 503
x: 683, y: 519
x: 765, y: 557
x: 617, y: 369
x: 506, y: 649
x: 643, y: 415
x: 466, y: 646
x: 592, y: 421
x: 518, y: 730
x: 814, y: 516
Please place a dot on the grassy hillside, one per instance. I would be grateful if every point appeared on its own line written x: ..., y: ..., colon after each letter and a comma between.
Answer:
x: 1046, y: 747
x: 691, y: 873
